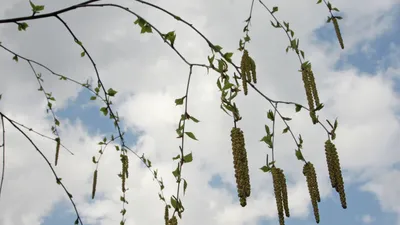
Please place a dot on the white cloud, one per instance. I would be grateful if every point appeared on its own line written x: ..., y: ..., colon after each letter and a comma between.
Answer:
x: 149, y: 76
x: 367, y: 219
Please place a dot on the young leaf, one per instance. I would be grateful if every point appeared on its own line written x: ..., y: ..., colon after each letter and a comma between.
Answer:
x: 104, y: 110
x: 111, y: 92
x: 285, y: 130
x: 188, y: 158
x: 184, y: 186
x: 179, y: 101
x: 298, y: 108
x: 270, y: 115
x: 265, y: 169
x: 191, y: 135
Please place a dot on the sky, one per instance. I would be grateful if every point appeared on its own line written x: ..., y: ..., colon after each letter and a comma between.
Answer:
x: 359, y: 85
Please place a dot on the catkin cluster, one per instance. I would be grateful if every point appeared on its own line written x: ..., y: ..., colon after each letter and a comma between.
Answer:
x: 311, y: 178
x: 335, y: 172
x: 337, y: 30
x: 240, y: 165
x: 280, y: 191
x: 311, y: 89
x: 125, y: 174
x: 248, y: 69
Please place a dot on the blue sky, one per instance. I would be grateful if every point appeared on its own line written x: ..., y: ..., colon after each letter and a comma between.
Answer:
x: 360, y: 203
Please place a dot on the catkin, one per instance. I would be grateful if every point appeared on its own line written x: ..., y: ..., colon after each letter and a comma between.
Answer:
x: 173, y: 221
x: 57, y: 150
x: 278, y: 194
x: 337, y: 30
x: 313, y: 86
x: 248, y: 70
x: 94, y: 184
x: 124, y: 174
x: 282, y: 180
x: 309, y: 171
x: 166, y: 215
x: 307, y: 87
x: 336, y: 174
x: 240, y: 165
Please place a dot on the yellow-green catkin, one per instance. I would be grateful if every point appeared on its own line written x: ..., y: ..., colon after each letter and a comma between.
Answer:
x: 337, y: 30
x: 253, y: 70
x: 283, y: 185
x: 244, y: 67
x: 335, y: 173
x: 166, y: 215
x: 312, y: 188
x: 310, y: 89
x: 124, y: 174
x: 278, y: 194
x: 240, y: 165
x: 57, y: 150
x: 94, y: 184
x: 173, y: 221
x: 313, y: 86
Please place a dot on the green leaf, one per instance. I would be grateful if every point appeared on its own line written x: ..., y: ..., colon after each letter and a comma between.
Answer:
x: 270, y: 115
x: 22, y: 26
x: 93, y: 98
x: 104, y: 110
x: 111, y: 92
x: 286, y: 118
x: 179, y: 101
x: 319, y: 1
x: 83, y: 54
x: 285, y: 130
x: 194, y: 119
x: 188, y: 158
x: 184, y: 186
x: 176, y: 157
x: 57, y: 122
x: 94, y: 160
x: 15, y: 58
x: 170, y: 36
x: 298, y: 108
x: 228, y: 56
x: 274, y: 9
x: 176, y: 172
x: 265, y: 169
x: 267, y: 130
x: 76, y: 222
x: 217, y: 48
x: 173, y: 202
x: 191, y: 135
x: 299, y: 155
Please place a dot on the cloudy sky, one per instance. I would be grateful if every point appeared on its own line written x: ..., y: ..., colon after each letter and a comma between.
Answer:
x: 359, y: 85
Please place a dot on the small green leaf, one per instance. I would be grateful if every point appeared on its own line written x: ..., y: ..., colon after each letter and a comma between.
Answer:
x: 265, y: 169
x: 94, y: 160
x: 22, y: 26
x: 173, y: 202
x: 176, y: 172
x: 170, y: 36
x: 270, y: 115
x: 184, y: 186
x: 93, y: 98
x: 176, y: 157
x: 188, y: 158
x: 274, y: 9
x: 298, y: 108
x: 104, y: 110
x: 76, y: 222
x: 228, y: 56
x: 83, y: 54
x: 15, y: 58
x: 194, y: 119
x: 179, y: 101
x: 217, y: 48
x: 286, y: 118
x: 191, y: 135
x: 111, y: 92
x: 285, y: 130
x: 57, y: 122
x: 299, y: 155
